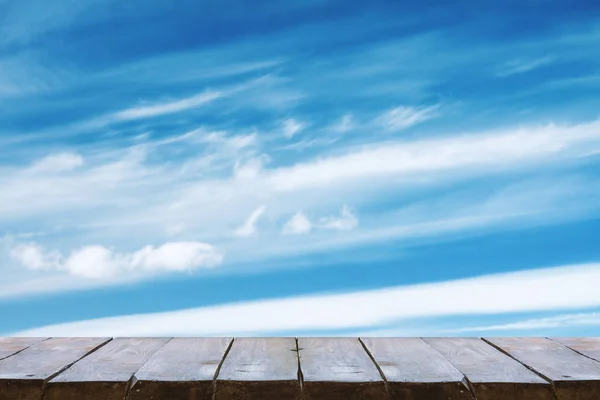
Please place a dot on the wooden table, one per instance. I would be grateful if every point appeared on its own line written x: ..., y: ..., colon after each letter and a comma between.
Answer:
x: 299, y: 368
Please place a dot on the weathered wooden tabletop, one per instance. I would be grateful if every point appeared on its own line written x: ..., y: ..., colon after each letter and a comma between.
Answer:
x: 303, y: 368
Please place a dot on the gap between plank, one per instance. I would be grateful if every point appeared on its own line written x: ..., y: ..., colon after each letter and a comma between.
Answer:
x: 554, y: 395
x: 23, y: 349
x: 133, y: 380
x: 300, y: 375
x: 385, y: 382
x: 465, y: 380
x: 69, y: 365
x: 570, y: 348
x: 214, y: 383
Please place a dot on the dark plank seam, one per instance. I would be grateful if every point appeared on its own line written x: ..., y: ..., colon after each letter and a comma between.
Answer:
x: 570, y: 348
x: 385, y: 381
x: 214, y: 382
x: 23, y: 349
x: 554, y: 395
x: 132, y: 380
x: 465, y: 381
x: 469, y: 385
x: 44, y: 385
x: 300, y: 375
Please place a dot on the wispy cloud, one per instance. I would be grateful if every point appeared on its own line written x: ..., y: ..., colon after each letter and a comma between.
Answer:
x: 57, y: 163
x: 346, y: 221
x: 527, y: 204
x: 125, y: 178
x: 99, y: 262
x: 402, y: 117
x: 345, y: 124
x: 521, y: 66
x: 169, y: 107
x: 557, y: 321
x: 524, y: 291
x: 291, y: 127
x: 151, y: 160
x: 299, y: 223
x: 480, y: 151
x: 248, y: 228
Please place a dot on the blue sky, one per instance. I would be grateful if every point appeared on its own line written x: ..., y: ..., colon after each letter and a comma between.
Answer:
x: 299, y: 168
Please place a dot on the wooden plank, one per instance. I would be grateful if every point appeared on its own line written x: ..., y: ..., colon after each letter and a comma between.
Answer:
x: 13, y: 345
x: 260, y: 368
x: 589, y: 346
x: 416, y: 371
x: 23, y: 375
x: 104, y: 374
x: 573, y: 376
x: 338, y: 369
x: 491, y: 374
x: 183, y: 369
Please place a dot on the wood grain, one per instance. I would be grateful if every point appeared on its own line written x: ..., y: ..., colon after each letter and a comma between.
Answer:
x: 573, y: 376
x: 13, y: 345
x: 491, y: 374
x: 589, y: 346
x: 260, y: 368
x: 183, y: 369
x: 338, y: 369
x: 416, y: 371
x: 104, y: 374
x: 23, y: 375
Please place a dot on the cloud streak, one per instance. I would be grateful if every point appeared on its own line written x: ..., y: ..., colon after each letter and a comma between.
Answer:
x: 156, y: 110
x: 521, y: 66
x: 248, y: 228
x: 523, y: 291
x: 54, y: 163
x: 401, y: 118
x: 474, y: 152
x: 557, y: 321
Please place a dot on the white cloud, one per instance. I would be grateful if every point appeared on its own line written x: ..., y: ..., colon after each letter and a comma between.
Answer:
x: 400, y: 118
x: 390, y: 164
x: 99, y: 262
x: 242, y: 141
x: 93, y: 262
x: 233, y: 142
x: 520, y: 66
x: 299, y: 224
x: 538, y: 203
x: 35, y: 257
x: 30, y: 191
x: 219, y: 149
x: 176, y: 256
x: 474, y: 154
x: 291, y: 127
x: 117, y: 199
x: 563, y: 288
x: 557, y: 321
x: 249, y: 227
x: 165, y: 108
x: 346, y: 221
x: 60, y: 162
